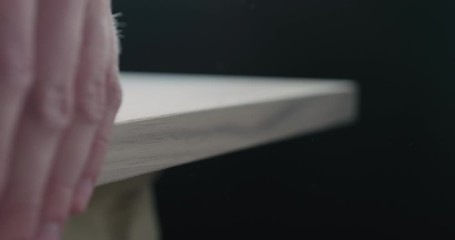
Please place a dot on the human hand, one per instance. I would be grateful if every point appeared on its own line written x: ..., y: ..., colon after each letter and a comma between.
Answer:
x: 59, y: 94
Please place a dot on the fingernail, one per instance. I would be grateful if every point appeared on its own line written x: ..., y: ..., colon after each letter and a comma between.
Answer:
x: 49, y: 231
x: 84, y: 193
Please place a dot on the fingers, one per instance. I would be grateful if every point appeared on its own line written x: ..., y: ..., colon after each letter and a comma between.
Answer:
x: 47, y: 112
x: 76, y: 143
x: 88, y: 177
x: 16, y: 59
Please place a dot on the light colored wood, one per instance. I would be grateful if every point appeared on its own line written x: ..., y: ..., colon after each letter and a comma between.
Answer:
x: 123, y: 210
x: 167, y: 120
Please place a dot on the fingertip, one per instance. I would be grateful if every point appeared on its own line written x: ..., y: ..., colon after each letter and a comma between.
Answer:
x: 82, y: 197
x: 78, y: 208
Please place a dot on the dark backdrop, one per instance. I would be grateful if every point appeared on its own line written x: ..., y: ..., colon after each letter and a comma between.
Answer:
x: 392, y: 173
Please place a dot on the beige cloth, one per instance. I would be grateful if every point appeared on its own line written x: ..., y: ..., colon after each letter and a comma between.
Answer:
x: 119, y: 211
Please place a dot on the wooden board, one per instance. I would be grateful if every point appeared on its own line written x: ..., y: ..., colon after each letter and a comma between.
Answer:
x: 168, y: 120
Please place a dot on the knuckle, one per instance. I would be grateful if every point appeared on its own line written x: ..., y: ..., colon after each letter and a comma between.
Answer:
x: 90, y: 174
x: 90, y: 100
x: 102, y: 141
x: 52, y: 104
x: 115, y: 95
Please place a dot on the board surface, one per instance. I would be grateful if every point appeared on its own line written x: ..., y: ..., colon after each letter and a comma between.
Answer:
x: 168, y: 120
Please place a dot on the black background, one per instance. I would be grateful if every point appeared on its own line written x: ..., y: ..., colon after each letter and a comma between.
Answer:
x: 391, y: 174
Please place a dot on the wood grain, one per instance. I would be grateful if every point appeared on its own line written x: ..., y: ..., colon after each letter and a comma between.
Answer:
x: 168, y: 120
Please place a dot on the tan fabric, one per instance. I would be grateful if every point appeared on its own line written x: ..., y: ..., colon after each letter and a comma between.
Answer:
x: 118, y: 211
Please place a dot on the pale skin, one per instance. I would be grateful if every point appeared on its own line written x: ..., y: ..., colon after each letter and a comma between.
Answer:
x: 59, y: 94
